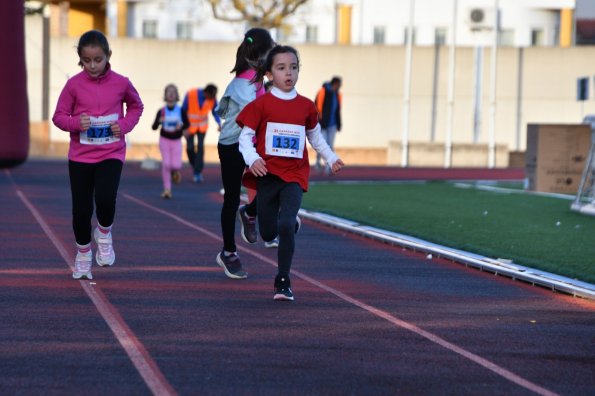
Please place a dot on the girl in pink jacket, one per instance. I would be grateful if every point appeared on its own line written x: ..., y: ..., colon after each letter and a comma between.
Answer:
x: 90, y: 107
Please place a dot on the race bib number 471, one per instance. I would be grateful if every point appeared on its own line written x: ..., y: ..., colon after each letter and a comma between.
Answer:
x: 100, y: 131
x: 285, y: 140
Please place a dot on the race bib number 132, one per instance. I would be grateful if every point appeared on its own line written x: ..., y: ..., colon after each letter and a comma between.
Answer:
x: 285, y: 140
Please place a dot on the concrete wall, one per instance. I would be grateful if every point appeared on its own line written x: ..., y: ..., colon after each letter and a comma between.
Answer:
x: 372, y: 90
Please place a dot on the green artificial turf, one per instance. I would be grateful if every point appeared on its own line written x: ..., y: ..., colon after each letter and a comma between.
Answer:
x: 535, y: 231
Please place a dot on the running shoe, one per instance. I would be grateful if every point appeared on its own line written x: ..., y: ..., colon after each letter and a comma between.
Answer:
x: 176, y: 176
x: 231, y: 265
x: 275, y: 242
x: 283, y: 289
x: 166, y: 194
x: 105, y: 255
x: 248, y: 231
x: 82, y: 266
x: 272, y: 244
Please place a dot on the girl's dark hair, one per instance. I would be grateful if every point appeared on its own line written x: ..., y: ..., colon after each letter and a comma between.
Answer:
x: 267, y: 65
x: 168, y: 86
x: 256, y: 43
x: 93, y: 37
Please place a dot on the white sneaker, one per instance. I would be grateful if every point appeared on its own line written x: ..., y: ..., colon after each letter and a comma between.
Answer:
x: 105, y: 252
x: 82, y: 265
x: 272, y: 244
x: 275, y: 242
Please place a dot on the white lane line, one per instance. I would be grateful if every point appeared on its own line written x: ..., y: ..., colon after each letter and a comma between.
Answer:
x: 501, y: 371
x: 140, y: 357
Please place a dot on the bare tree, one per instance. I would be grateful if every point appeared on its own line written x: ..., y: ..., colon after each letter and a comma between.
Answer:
x: 267, y: 14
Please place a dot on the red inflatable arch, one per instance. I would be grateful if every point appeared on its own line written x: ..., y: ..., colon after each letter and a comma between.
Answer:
x: 14, y: 110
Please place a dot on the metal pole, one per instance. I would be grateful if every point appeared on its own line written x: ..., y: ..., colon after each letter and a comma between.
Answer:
x: 45, y: 65
x: 493, y: 78
x: 519, y: 100
x: 435, y: 77
x: 452, y: 60
x: 477, y: 93
x: 407, y: 90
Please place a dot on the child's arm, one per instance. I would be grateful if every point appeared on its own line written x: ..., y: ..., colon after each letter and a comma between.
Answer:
x: 158, y: 120
x: 251, y: 157
x: 216, y: 115
x: 321, y: 146
x: 63, y: 117
x: 134, y: 109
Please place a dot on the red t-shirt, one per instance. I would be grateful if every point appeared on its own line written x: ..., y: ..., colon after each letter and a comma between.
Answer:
x: 293, y: 113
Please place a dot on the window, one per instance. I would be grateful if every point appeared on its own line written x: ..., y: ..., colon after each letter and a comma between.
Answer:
x: 506, y: 38
x: 379, y: 34
x: 440, y: 36
x: 537, y: 37
x: 311, y: 34
x: 406, y: 36
x: 184, y: 30
x: 150, y: 29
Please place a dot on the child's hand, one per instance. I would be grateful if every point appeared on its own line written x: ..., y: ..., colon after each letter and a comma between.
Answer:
x: 337, y: 166
x: 258, y: 167
x: 116, y: 130
x: 85, y: 121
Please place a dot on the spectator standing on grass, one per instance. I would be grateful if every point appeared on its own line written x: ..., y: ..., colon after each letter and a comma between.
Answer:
x: 280, y: 122
x: 172, y: 122
x: 242, y: 89
x: 328, y: 103
x: 90, y: 107
x: 197, y: 104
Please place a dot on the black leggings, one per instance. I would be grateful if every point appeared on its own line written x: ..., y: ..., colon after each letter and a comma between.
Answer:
x: 87, y: 181
x: 232, y: 169
x: 278, y: 205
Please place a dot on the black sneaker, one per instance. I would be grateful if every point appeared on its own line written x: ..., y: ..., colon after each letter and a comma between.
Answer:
x: 282, y: 289
x: 232, y: 266
x: 248, y: 223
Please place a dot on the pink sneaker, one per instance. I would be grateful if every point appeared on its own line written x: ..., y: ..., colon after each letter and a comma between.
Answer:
x: 105, y: 255
x: 82, y: 266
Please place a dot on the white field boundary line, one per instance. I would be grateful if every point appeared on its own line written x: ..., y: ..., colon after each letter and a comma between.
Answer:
x: 509, y: 269
x: 504, y: 190
x: 506, y: 374
x: 138, y: 354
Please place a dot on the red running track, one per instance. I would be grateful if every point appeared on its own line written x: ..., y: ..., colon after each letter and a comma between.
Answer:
x: 368, y: 318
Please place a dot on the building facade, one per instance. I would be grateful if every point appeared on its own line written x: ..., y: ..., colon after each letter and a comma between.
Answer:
x: 522, y: 23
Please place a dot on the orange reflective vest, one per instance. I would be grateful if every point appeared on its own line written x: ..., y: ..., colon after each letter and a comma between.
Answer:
x: 198, y: 116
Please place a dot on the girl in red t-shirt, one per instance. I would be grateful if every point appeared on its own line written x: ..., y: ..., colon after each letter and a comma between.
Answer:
x: 280, y: 122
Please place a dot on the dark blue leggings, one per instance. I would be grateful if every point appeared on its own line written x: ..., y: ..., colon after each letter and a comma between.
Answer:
x: 278, y: 205
x: 97, y: 181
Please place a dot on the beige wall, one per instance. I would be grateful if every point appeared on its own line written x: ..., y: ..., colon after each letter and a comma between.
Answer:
x: 372, y: 89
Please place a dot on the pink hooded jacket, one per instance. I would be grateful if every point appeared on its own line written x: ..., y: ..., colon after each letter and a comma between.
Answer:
x: 96, y: 97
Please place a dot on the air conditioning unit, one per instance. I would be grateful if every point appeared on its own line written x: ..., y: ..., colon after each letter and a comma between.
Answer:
x: 481, y: 18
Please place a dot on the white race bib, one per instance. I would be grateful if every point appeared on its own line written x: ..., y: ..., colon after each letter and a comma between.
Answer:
x: 285, y: 140
x: 170, y: 123
x: 100, y: 131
